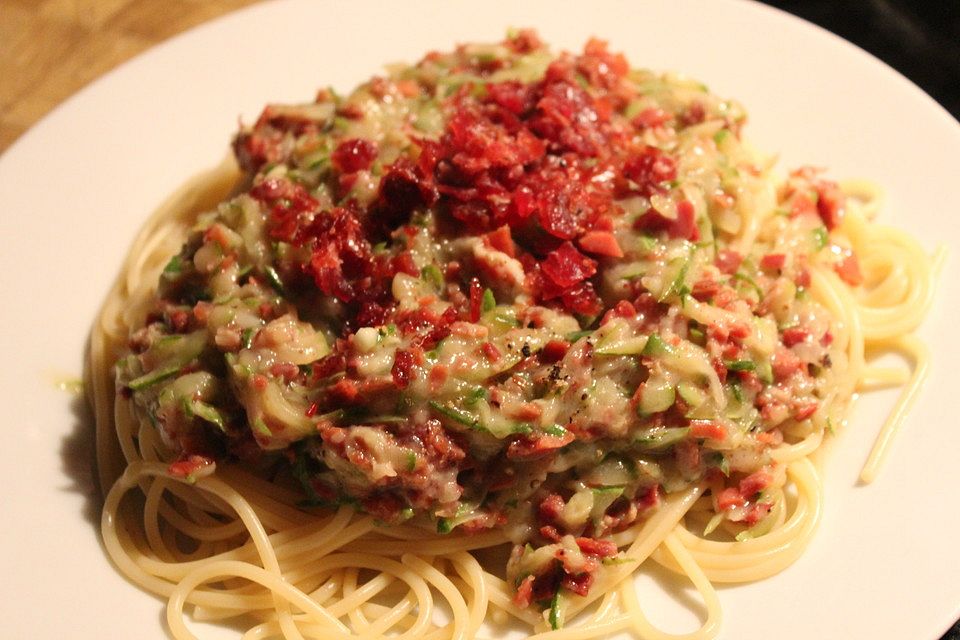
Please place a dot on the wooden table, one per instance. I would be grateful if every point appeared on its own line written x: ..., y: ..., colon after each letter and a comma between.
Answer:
x: 51, y: 48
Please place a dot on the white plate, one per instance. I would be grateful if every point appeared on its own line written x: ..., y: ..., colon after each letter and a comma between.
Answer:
x: 74, y: 190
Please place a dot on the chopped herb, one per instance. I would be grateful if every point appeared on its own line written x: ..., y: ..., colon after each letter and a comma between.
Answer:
x: 697, y: 335
x: 246, y: 337
x: 459, y: 416
x: 558, y: 607
x: 474, y: 396
x: 432, y: 274
x: 489, y: 302
x: 444, y: 525
x: 720, y: 136
x: 411, y: 461
x: 555, y: 430
x: 820, y: 237
x: 742, y: 277
x: 737, y: 391
x: 261, y: 427
x: 740, y: 365
x: 576, y: 335
x: 647, y: 243
x: 678, y: 282
x: 719, y: 461
x: 154, y: 377
x: 274, y: 279
x: 656, y: 346
x: 173, y: 267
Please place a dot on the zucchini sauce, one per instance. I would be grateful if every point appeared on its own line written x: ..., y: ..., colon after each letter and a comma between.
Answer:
x: 503, y: 289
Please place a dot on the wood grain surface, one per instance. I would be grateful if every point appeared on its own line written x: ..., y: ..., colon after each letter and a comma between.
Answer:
x: 49, y: 49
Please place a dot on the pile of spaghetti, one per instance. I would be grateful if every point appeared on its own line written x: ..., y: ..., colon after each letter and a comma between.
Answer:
x: 473, y: 343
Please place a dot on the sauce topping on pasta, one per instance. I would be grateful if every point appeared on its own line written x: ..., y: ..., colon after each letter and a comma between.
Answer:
x: 503, y: 289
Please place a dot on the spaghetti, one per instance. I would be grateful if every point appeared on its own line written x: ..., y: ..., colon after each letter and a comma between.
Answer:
x: 500, y: 303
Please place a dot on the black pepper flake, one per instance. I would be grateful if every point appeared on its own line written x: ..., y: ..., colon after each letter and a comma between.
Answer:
x: 525, y: 350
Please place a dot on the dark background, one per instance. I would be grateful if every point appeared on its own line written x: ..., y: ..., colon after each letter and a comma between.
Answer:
x: 919, y: 39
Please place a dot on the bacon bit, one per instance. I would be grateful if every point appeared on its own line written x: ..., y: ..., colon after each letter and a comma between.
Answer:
x: 179, y: 319
x: 694, y: 114
x: 729, y: 498
x: 805, y: 411
x: 468, y: 329
x: 529, y: 449
x: 528, y: 411
x: 785, y: 362
x: 476, y: 300
x: 623, y: 309
x: 683, y: 226
x: 725, y: 298
x: 773, y: 261
x: 554, y: 351
x: 329, y: 365
x: 803, y: 278
x: 772, y: 438
x: 402, y: 370
x: 723, y: 200
x: 266, y: 311
x: 217, y: 233
x: 289, y: 203
x: 598, y: 548
x: 550, y: 533
x: 802, y: 205
x: 403, y: 263
x: 794, y: 336
x: 649, y: 170
x: 501, y: 240
x: 731, y: 351
x: 408, y: 88
x: 438, y: 446
x: 312, y: 410
x: 383, y: 506
x: 755, y: 483
x: 650, y: 497
x: 601, y: 243
x: 189, y: 466
x: 720, y: 368
x: 260, y: 381
x: 524, y: 41
x: 201, y: 311
x: 756, y: 512
x: 286, y: 370
x: 483, y: 522
x: 827, y: 339
x: 650, y: 117
x: 437, y: 376
x: 490, y: 351
x: 578, y: 583
x: 688, y: 456
x: 830, y: 202
x: 550, y: 508
x: 707, y: 429
x: 849, y: 270
x: 728, y: 261
x: 524, y: 593
x: 345, y: 391
x: 750, y: 381
x: 566, y: 266
x: 705, y: 289
x: 739, y: 331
